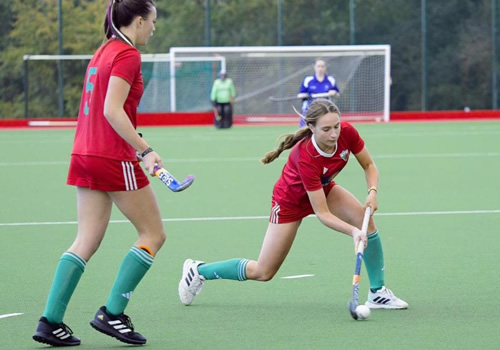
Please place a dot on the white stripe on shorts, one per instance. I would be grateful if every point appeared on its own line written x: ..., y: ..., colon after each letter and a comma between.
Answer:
x: 129, y: 176
x: 134, y: 180
x: 275, y: 214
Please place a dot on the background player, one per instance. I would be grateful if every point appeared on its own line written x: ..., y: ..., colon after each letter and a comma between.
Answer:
x: 318, y: 83
x: 105, y: 170
x: 318, y: 153
x: 222, y: 97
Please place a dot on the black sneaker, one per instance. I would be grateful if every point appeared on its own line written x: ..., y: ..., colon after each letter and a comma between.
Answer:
x: 55, y: 334
x: 119, y: 327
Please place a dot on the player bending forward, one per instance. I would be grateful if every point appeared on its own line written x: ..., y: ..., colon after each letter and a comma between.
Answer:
x: 318, y: 153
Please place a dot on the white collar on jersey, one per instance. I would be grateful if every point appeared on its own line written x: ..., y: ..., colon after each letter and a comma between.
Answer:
x: 322, y: 153
x: 124, y: 38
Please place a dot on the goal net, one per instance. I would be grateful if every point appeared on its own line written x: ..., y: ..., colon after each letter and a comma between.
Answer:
x: 193, y: 75
x: 259, y: 73
x: 53, y: 83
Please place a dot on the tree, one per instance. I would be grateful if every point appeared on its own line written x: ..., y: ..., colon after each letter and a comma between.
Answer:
x: 321, y: 22
x: 458, y: 50
x: 34, y: 31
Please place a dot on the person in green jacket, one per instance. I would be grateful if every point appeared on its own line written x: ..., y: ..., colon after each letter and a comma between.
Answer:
x: 222, y: 97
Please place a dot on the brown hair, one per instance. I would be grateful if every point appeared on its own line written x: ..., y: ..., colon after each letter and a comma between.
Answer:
x: 121, y: 13
x: 316, y: 110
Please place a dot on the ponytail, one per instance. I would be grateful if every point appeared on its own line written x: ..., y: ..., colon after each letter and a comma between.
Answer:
x: 108, y: 23
x: 288, y: 141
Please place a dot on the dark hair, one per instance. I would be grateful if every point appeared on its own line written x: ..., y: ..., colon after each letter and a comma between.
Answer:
x: 121, y: 13
x: 316, y: 110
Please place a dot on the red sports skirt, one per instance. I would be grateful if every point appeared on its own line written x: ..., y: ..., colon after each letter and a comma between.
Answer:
x: 283, y: 212
x: 105, y: 174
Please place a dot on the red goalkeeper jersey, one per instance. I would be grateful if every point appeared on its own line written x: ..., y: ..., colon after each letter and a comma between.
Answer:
x: 308, y: 170
x: 94, y: 135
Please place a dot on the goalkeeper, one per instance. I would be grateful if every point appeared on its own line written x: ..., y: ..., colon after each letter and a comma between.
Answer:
x: 318, y: 83
x: 222, y: 97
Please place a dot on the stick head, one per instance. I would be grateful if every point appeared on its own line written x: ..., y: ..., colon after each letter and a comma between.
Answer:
x: 171, y: 182
x: 188, y: 181
x: 352, y: 310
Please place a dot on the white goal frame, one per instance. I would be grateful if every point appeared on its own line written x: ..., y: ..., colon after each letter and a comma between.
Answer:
x: 384, y: 50
x: 149, y: 58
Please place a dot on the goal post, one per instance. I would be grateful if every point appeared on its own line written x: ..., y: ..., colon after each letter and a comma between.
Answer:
x: 362, y: 73
x: 193, y: 75
x: 41, y: 90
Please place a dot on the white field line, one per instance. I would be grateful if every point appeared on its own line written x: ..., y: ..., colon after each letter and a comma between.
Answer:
x: 438, y: 155
x: 11, y: 315
x: 253, y: 134
x: 192, y: 160
x: 395, y: 134
x: 296, y: 276
x: 257, y: 159
x: 238, y: 218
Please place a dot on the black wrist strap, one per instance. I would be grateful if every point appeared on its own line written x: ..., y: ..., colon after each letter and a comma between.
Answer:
x: 146, y: 152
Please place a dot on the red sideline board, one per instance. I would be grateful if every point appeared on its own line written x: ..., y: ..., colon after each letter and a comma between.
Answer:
x: 206, y: 118
x: 185, y: 119
x: 143, y: 119
x: 445, y: 115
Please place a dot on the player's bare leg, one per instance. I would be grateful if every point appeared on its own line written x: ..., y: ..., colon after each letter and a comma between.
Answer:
x: 94, y: 212
x: 348, y: 208
x: 141, y: 208
x: 277, y: 243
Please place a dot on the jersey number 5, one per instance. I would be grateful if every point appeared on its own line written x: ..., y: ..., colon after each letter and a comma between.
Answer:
x: 89, y: 86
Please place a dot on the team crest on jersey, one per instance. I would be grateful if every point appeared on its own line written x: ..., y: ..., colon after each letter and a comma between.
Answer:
x: 344, y: 155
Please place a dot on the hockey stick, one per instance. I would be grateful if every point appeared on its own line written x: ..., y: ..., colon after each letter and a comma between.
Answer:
x: 291, y: 98
x: 171, y: 182
x: 357, y: 271
x: 283, y: 99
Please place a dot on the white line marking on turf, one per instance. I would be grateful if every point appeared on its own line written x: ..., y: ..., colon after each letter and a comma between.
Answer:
x: 232, y: 218
x: 11, y: 315
x: 455, y: 212
x: 297, y: 276
x: 257, y: 159
x: 437, y: 155
x: 42, y: 163
x: 192, y: 160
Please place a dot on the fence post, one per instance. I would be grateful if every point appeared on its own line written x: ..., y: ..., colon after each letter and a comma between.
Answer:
x: 26, y: 87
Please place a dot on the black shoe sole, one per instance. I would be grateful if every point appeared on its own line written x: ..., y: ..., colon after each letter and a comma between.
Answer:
x: 111, y: 334
x: 44, y: 340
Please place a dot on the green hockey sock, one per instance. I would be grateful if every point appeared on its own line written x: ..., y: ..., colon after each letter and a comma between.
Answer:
x: 133, y: 268
x: 374, y: 262
x: 233, y: 269
x: 68, y: 273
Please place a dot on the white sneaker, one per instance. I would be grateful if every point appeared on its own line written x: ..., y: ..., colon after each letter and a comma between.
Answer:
x: 191, y: 282
x: 385, y: 299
